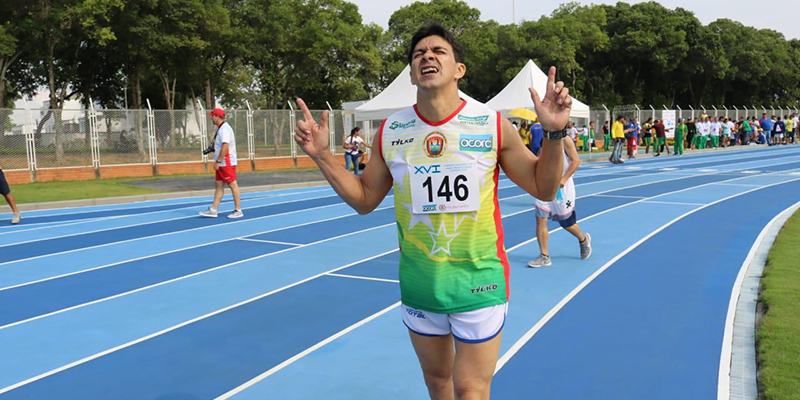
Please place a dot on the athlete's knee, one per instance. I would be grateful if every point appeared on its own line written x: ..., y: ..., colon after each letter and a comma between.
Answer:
x: 473, y: 389
x: 439, y: 383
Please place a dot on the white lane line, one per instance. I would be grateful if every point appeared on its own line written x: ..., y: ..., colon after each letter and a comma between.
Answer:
x: 304, y: 353
x: 618, y: 196
x: 174, y: 327
x: 268, y: 241
x: 367, y: 278
x: 723, y: 379
x: 73, y: 222
x: 114, y: 349
x: 737, y: 184
x: 184, y: 249
x: 677, y: 203
x: 54, y: 371
x: 539, y: 324
x: 160, y: 221
x: 180, y: 278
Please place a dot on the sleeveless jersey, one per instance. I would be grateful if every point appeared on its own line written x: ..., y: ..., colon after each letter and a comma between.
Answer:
x: 452, y: 257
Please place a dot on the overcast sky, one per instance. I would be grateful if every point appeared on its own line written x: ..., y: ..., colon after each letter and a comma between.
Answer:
x: 779, y: 15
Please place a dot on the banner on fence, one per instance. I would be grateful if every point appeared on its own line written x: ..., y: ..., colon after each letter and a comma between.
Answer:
x: 669, y: 122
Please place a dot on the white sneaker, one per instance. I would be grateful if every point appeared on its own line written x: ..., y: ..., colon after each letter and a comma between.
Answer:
x: 15, y: 219
x: 541, y: 261
x: 586, y: 246
x: 236, y: 214
x: 209, y: 213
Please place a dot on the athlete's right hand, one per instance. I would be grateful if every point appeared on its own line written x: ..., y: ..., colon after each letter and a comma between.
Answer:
x: 312, y: 138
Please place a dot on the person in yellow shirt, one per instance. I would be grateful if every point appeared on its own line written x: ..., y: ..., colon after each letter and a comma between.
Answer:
x: 6, y: 192
x: 525, y: 133
x: 618, y: 137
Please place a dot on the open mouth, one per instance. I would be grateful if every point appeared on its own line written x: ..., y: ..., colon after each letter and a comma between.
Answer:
x: 429, y: 70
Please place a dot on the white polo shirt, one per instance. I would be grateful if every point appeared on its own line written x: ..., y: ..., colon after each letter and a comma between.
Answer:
x: 225, y: 135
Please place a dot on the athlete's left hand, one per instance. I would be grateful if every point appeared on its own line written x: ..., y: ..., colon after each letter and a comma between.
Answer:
x: 553, y: 110
x: 216, y: 166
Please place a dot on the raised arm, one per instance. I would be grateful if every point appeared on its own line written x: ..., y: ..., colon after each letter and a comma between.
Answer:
x: 540, y: 176
x: 363, y: 193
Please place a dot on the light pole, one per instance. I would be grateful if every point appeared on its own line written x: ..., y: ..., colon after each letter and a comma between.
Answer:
x: 514, y: 11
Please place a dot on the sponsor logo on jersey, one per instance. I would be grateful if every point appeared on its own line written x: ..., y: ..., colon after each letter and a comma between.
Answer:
x: 480, y: 120
x: 482, y: 143
x: 400, y: 125
x: 484, y: 288
x: 400, y: 142
x: 428, y: 207
x: 435, y: 144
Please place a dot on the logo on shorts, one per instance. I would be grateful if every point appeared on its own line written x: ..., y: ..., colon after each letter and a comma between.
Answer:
x: 415, y: 313
x: 484, y: 288
x: 482, y: 143
x: 434, y: 145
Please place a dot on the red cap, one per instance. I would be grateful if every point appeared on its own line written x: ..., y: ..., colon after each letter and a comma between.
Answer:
x: 217, y: 112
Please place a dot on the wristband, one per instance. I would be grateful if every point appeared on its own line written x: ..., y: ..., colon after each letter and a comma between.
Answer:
x: 556, y: 135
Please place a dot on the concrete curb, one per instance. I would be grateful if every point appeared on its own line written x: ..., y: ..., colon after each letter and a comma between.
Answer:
x: 154, y: 196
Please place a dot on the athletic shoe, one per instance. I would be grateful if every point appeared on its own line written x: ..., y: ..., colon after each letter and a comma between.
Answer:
x: 586, y: 246
x: 209, y: 213
x: 15, y: 219
x: 236, y: 214
x: 541, y: 261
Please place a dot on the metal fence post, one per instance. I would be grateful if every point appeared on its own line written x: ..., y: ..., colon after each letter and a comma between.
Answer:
x: 331, y: 129
x: 292, y: 124
x: 151, y: 130
x: 94, y: 140
x: 251, y: 148
x: 737, y: 113
x: 30, y: 142
x: 692, y: 108
x: 201, y: 122
x: 716, y: 112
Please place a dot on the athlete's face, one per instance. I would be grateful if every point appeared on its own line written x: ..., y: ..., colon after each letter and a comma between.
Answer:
x: 433, y: 64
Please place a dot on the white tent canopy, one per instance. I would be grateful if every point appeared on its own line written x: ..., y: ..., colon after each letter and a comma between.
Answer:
x: 397, y: 96
x: 516, y: 94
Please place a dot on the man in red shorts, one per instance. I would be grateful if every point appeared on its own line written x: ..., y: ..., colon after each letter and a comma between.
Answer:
x: 224, y: 165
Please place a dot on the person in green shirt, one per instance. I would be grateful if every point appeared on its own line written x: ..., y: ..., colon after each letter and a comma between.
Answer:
x: 680, y: 132
x: 584, y: 136
x: 745, y: 132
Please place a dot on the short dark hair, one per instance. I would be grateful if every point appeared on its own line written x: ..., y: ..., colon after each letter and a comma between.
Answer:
x: 435, y: 28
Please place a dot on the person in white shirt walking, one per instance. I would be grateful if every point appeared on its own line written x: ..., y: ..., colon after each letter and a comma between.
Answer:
x: 224, y: 165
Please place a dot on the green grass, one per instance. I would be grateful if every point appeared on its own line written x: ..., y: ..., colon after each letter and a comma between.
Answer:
x: 40, y: 192
x: 779, y: 331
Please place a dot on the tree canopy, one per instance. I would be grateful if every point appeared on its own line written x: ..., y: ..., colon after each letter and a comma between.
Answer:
x: 175, y: 52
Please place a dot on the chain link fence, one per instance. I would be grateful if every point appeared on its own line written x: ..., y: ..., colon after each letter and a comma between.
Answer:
x: 62, y: 139
x: 271, y: 131
x: 45, y: 138
x: 13, y: 149
x: 123, y: 137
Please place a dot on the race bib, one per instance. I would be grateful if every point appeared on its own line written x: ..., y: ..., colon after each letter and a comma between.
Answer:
x: 445, y: 188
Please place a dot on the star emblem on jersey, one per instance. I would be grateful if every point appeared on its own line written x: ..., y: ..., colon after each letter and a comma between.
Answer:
x: 417, y: 218
x: 434, y: 144
x: 441, y: 240
x: 458, y: 218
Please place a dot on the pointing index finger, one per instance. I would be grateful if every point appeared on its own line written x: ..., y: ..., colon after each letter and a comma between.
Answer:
x: 551, y: 79
x: 306, y: 114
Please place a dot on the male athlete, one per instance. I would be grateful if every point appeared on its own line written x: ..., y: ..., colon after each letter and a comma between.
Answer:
x: 442, y: 157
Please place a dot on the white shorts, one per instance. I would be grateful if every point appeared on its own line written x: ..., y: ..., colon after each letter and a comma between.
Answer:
x: 475, y: 326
